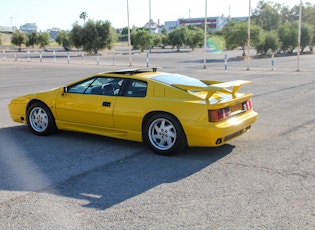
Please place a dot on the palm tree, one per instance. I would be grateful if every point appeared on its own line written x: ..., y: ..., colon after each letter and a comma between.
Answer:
x: 83, y: 16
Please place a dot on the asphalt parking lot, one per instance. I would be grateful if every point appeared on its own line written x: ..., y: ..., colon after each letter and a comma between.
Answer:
x: 264, y: 179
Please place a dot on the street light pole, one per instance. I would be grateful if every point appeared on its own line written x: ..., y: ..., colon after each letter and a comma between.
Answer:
x: 248, y: 34
x: 129, y: 43
x: 299, y: 38
x: 150, y: 11
x: 205, y: 40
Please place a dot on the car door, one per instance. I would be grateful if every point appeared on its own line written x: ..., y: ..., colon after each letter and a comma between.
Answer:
x: 131, y: 105
x: 86, y: 104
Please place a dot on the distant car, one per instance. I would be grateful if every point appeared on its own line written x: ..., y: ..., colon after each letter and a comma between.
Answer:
x: 165, y: 110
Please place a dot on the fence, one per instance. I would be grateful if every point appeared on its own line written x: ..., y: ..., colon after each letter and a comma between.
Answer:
x: 162, y: 58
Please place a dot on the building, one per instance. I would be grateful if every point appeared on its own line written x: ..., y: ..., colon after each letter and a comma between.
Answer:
x: 154, y: 27
x: 28, y: 27
x: 7, y: 29
x: 54, y: 32
x: 171, y: 25
x: 213, y: 23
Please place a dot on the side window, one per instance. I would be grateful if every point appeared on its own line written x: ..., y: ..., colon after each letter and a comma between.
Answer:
x: 80, y: 87
x: 109, y: 86
x: 135, y: 88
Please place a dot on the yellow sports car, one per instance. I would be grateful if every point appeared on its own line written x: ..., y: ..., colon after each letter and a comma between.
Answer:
x: 167, y: 111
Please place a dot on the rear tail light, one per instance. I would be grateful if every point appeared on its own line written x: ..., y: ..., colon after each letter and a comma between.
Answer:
x: 247, y: 105
x: 224, y: 113
x: 219, y: 114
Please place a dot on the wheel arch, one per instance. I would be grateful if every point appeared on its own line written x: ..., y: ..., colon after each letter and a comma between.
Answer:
x: 152, y: 113
x: 178, y: 143
x: 51, y: 124
x: 33, y: 101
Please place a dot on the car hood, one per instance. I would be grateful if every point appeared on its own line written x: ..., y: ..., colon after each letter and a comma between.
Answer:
x: 44, y: 95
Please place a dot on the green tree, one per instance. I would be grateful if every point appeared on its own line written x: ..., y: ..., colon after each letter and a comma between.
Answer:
x: 227, y: 32
x: 266, y: 15
x: 195, y: 36
x: 157, y: 40
x: 165, y: 40
x: 83, y: 16
x: 271, y: 42
x: 313, y: 43
x: 307, y: 36
x: 295, y: 13
x: 291, y: 15
x: 123, y: 36
x: 141, y: 38
x: 164, y: 31
x: 76, y: 35
x: 238, y: 35
x: 31, y: 39
x: 43, y: 39
x: 288, y: 34
x: 178, y: 37
x: 97, y: 35
x: 308, y: 13
x: 0, y: 40
x: 64, y: 40
x: 285, y: 14
x: 18, y: 38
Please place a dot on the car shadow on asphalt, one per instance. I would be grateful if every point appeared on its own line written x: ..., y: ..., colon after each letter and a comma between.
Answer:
x: 100, y: 172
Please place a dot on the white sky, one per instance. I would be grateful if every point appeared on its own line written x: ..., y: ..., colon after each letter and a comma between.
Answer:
x: 63, y: 13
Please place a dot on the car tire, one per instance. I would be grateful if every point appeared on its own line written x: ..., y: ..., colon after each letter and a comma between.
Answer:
x: 40, y: 119
x: 164, y: 134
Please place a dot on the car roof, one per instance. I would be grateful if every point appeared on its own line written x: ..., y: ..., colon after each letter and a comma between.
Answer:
x: 158, y: 77
x: 134, y: 73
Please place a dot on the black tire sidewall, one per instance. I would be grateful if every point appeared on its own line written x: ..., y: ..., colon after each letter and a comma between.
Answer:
x: 180, y: 143
x: 51, y: 121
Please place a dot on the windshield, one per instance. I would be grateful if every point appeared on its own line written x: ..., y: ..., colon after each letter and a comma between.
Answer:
x: 179, y: 79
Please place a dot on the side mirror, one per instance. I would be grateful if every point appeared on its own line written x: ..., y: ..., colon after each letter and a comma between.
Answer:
x: 63, y: 90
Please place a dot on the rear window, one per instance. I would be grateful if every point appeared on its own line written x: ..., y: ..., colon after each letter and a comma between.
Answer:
x: 171, y: 79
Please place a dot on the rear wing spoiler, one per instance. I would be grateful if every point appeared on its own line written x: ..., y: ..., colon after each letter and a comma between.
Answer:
x: 213, y: 87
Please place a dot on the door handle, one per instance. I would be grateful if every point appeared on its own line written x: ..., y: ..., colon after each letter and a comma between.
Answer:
x: 106, y: 103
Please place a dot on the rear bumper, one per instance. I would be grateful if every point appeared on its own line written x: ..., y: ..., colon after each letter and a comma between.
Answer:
x: 218, y: 133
